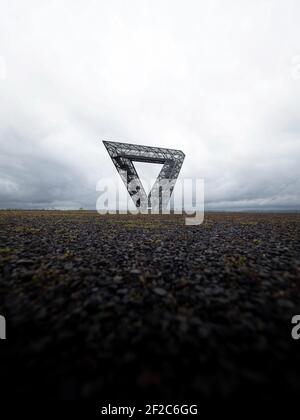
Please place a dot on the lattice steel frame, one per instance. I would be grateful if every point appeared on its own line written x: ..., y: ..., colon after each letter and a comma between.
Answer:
x: 124, y: 154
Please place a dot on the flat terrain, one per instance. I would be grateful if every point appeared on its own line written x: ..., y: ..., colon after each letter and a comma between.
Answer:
x: 115, y: 305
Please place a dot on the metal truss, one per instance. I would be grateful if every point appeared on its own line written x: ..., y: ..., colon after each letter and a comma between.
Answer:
x: 124, y: 154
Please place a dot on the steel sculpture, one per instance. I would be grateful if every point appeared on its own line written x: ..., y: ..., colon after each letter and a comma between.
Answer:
x: 124, y: 154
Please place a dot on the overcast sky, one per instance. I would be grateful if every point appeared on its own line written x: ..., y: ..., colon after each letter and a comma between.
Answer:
x: 219, y: 80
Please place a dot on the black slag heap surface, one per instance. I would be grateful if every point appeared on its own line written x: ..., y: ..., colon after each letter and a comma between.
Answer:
x: 145, y: 305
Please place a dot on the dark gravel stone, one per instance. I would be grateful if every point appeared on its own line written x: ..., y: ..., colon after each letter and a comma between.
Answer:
x: 145, y: 306
x: 159, y: 291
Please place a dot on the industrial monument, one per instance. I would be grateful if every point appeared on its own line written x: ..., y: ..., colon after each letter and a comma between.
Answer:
x: 124, y: 154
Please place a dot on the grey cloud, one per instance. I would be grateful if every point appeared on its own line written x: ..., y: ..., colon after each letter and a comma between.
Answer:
x: 211, y: 78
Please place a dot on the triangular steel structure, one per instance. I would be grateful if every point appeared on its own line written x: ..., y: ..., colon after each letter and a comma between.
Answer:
x: 124, y: 154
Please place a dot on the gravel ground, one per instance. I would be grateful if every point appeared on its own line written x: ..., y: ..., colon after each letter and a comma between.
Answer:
x: 122, y: 305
